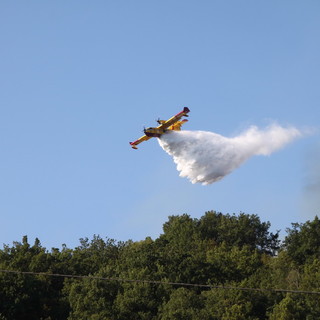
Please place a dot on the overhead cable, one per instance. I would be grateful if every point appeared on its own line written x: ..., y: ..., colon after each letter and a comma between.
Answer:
x: 181, y: 284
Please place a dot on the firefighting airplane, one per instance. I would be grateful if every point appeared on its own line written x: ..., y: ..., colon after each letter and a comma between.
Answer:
x: 173, y: 123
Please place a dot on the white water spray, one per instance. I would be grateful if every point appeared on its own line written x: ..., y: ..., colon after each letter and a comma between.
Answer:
x: 206, y: 157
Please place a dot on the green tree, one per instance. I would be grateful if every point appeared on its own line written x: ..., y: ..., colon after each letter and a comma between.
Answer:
x: 184, y: 304
x: 224, y: 304
x: 90, y: 256
x: 290, y: 308
x: 232, y: 264
x: 93, y: 299
x: 182, y: 252
x: 242, y: 230
x: 137, y: 299
x: 303, y: 241
x: 25, y: 296
x: 228, y: 250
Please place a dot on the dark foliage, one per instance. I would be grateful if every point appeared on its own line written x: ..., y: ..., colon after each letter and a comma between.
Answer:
x: 217, y: 249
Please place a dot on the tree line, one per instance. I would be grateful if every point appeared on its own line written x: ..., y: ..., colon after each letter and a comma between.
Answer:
x: 221, y: 250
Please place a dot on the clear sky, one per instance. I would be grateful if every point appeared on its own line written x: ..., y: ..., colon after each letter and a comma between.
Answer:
x: 80, y: 79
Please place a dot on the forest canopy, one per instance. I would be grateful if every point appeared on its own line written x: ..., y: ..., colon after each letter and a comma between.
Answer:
x: 162, y: 278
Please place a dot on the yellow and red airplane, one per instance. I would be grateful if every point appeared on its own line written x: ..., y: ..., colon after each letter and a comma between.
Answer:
x: 174, y: 123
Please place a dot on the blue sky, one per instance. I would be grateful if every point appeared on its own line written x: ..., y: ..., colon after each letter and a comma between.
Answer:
x: 80, y: 79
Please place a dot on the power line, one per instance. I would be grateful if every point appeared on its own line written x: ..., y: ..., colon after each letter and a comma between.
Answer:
x: 181, y: 284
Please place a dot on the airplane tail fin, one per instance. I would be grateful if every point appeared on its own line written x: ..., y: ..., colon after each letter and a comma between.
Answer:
x: 186, y: 110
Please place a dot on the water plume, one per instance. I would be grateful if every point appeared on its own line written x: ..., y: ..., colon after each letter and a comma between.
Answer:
x: 206, y: 157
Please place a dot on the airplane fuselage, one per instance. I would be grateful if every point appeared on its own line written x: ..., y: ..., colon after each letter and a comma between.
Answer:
x: 154, y: 132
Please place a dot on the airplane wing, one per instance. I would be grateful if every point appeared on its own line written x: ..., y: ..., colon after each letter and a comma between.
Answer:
x: 141, y: 139
x: 166, y: 124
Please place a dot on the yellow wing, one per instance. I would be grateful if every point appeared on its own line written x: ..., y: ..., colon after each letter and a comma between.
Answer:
x: 166, y: 124
x: 141, y: 139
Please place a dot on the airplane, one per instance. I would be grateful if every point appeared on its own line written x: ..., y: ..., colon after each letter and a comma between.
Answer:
x: 174, y: 123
